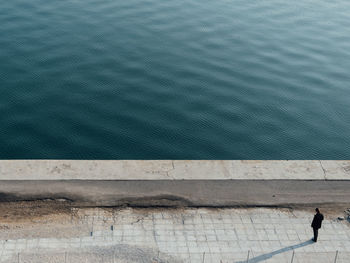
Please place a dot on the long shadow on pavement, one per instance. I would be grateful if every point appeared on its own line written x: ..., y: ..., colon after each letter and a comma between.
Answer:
x: 271, y: 254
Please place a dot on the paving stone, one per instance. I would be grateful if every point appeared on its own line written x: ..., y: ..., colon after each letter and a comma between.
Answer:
x: 190, y: 235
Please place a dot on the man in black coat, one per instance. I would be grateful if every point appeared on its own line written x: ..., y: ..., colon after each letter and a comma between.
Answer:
x: 316, y: 223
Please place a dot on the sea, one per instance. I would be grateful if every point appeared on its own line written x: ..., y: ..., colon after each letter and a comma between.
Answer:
x: 174, y: 79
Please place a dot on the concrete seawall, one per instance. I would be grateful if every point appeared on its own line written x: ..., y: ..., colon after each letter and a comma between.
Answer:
x: 177, y: 183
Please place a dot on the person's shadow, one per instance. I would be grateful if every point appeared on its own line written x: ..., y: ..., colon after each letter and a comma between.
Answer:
x: 271, y: 254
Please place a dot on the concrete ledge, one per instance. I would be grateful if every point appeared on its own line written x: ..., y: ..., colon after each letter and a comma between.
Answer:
x: 194, y: 193
x: 173, y: 170
x: 174, y: 183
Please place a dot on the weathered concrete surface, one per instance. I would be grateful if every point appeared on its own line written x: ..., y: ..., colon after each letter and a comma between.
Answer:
x: 193, y: 193
x: 167, y: 182
x: 173, y: 170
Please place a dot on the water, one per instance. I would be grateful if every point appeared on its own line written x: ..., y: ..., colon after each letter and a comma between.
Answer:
x: 162, y: 79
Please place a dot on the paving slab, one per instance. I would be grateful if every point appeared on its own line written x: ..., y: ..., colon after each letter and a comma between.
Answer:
x: 187, y: 235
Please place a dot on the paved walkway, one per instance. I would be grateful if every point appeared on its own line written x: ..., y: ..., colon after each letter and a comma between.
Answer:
x: 187, y: 235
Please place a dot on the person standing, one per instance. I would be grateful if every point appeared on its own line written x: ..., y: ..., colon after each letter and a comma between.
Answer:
x: 316, y: 223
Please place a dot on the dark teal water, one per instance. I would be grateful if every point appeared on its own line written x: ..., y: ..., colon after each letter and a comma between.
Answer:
x: 162, y: 79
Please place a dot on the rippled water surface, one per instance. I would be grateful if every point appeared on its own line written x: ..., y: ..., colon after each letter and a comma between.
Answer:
x: 160, y: 79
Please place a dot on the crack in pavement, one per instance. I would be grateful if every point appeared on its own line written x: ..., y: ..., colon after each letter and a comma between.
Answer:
x: 324, y: 171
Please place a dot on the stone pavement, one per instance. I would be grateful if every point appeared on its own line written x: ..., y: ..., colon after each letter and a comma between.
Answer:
x: 186, y: 235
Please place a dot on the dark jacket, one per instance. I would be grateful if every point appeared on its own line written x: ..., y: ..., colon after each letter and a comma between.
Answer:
x: 316, y: 223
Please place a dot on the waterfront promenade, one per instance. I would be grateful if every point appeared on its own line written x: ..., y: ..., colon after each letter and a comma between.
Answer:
x: 175, y: 235
x: 173, y: 211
